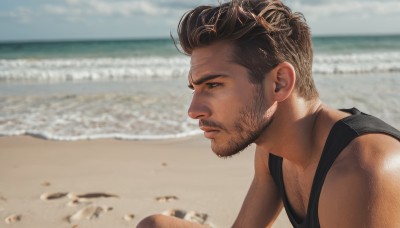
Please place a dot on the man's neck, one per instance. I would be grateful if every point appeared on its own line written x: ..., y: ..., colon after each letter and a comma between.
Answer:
x: 293, y: 133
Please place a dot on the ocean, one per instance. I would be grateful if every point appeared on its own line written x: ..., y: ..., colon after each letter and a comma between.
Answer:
x: 137, y: 89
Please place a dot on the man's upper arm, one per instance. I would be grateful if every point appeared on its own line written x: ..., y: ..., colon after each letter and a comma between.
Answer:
x: 367, y: 196
x: 262, y: 203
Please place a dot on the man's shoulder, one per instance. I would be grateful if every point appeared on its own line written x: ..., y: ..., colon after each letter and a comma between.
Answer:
x: 370, y: 152
x: 364, y: 177
x: 367, y: 157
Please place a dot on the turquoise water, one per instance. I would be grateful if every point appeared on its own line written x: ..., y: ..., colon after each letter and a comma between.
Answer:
x: 88, y: 49
x: 158, y: 58
x: 356, y: 44
x: 137, y: 89
x: 165, y: 47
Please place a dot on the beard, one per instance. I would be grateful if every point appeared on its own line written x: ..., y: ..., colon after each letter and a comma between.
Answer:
x: 247, y: 128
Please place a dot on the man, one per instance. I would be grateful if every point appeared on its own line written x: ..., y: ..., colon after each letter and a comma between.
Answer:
x: 251, y: 64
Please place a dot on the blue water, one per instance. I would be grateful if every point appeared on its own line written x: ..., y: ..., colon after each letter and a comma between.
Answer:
x: 87, y: 49
x: 136, y: 89
x: 165, y: 47
x: 356, y: 44
x: 158, y: 58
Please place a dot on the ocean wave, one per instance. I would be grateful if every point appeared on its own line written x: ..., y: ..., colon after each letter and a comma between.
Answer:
x: 119, y: 136
x: 154, y: 111
x: 148, y: 68
x: 96, y: 69
x: 140, y: 114
x: 357, y: 63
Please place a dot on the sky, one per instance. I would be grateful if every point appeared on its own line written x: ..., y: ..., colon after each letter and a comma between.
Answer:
x: 22, y: 20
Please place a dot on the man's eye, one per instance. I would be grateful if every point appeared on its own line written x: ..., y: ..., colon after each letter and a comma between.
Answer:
x: 212, y: 85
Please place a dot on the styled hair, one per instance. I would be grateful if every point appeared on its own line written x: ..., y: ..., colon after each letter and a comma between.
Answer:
x: 263, y: 33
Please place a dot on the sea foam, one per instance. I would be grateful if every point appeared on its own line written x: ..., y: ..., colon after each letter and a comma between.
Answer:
x: 96, y: 69
x: 148, y: 68
x: 359, y: 63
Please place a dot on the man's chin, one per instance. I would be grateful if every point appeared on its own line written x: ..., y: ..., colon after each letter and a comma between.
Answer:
x: 224, y: 152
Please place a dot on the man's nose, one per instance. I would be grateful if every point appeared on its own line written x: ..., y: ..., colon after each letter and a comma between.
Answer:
x: 198, y: 109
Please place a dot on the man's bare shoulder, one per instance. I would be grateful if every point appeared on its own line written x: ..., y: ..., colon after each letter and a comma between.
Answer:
x: 362, y: 187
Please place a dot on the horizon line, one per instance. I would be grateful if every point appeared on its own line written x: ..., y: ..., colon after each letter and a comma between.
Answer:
x: 61, y: 40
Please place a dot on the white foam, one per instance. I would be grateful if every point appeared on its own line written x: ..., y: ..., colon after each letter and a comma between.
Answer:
x: 357, y: 63
x: 96, y: 69
x: 106, y: 69
x: 149, y: 111
x: 120, y: 136
x: 136, y: 115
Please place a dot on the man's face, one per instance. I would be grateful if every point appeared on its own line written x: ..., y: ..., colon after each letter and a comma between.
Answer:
x: 231, y: 110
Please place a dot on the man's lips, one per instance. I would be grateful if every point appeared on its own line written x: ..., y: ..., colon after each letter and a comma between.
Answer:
x: 209, y: 132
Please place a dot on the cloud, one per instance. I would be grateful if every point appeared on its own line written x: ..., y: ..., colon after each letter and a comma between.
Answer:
x: 71, y: 14
x: 20, y: 14
x: 124, y: 8
x: 72, y: 2
x: 74, y: 8
x: 182, y: 4
x: 58, y: 10
x: 316, y: 8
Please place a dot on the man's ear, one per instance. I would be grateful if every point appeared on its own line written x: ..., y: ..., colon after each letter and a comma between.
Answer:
x: 281, y: 80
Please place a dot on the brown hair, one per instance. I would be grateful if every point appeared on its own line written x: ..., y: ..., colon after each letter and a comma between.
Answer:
x: 264, y: 33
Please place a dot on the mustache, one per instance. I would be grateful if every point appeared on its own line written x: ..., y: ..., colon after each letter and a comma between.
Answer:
x: 209, y: 123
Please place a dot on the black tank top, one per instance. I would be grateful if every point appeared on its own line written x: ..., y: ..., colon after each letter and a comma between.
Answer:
x: 341, y: 134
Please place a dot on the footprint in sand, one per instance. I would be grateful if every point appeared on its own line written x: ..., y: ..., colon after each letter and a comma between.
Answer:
x: 52, y: 196
x: 175, y: 213
x: 166, y: 198
x: 92, y: 195
x: 2, y: 198
x: 191, y: 216
x: 13, y: 219
x: 129, y: 217
x: 196, y: 217
x: 46, y: 184
x: 88, y: 212
x: 77, y: 199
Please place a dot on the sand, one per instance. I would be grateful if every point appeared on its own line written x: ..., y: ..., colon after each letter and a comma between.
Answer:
x: 124, y: 181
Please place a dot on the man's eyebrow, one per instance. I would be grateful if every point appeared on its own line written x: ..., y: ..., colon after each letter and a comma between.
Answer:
x: 205, y: 78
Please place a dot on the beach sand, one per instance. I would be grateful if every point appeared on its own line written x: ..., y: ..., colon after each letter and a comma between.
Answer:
x: 121, y: 180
